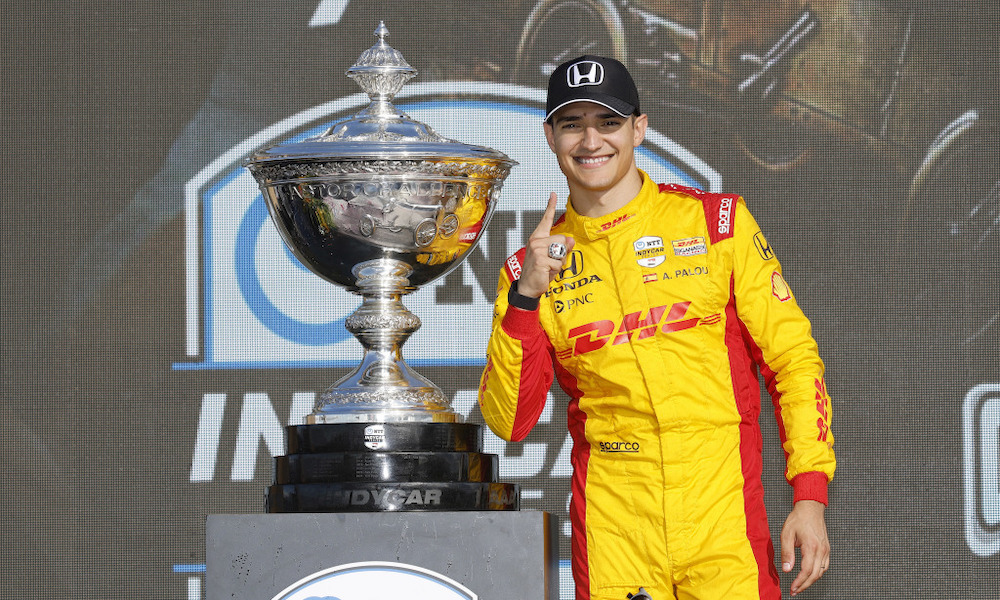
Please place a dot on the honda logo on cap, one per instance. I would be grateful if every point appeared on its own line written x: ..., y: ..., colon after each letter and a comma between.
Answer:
x: 585, y: 72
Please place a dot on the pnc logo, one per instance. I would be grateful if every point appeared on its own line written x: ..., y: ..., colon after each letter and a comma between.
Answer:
x: 596, y: 335
x: 571, y: 303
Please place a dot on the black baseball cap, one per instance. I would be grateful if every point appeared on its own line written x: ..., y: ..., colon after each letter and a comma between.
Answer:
x: 592, y: 79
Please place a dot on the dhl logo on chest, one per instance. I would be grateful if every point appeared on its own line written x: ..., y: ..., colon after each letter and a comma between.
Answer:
x: 596, y: 335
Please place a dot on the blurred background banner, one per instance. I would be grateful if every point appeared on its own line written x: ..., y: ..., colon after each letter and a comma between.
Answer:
x: 158, y: 336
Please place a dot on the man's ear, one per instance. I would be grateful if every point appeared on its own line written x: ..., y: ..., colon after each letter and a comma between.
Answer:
x: 549, y: 135
x: 639, y: 129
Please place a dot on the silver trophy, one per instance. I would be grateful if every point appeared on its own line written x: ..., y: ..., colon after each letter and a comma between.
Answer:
x: 381, y: 205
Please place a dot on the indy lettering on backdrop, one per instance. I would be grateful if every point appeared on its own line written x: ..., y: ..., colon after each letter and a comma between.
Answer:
x: 258, y: 423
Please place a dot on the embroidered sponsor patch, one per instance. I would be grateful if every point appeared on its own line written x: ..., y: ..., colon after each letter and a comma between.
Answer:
x: 692, y: 246
x: 763, y: 248
x: 514, y: 267
x: 619, y: 447
x: 649, y: 251
x: 780, y: 289
x: 615, y: 222
x: 725, y: 215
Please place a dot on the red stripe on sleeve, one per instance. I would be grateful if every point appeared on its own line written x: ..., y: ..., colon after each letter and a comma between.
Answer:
x: 535, y: 377
x: 746, y: 390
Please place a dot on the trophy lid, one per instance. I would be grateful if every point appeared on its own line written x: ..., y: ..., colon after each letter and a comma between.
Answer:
x: 380, y: 131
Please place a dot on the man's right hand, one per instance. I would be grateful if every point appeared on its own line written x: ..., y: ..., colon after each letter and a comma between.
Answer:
x: 539, y: 269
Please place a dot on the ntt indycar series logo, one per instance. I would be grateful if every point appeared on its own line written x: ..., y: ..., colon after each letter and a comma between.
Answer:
x: 251, y: 304
x: 367, y: 580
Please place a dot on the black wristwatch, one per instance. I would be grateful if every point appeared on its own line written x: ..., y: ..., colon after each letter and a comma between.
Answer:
x: 515, y: 299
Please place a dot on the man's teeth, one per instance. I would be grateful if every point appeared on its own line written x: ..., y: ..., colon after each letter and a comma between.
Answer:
x: 592, y: 161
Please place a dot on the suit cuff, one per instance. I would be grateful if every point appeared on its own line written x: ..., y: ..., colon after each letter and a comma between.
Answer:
x: 521, y: 324
x: 810, y: 486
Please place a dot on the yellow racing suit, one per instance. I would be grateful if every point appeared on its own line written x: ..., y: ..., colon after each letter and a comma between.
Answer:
x: 656, y: 329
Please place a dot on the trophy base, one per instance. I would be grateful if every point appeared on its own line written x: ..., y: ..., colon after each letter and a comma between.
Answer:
x: 384, y: 437
x: 399, y: 496
x: 381, y: 467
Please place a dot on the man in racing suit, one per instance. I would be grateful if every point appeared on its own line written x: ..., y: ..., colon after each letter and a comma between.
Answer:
x: 654, y: 306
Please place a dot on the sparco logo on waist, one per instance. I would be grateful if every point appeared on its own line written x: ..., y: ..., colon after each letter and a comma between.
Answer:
x: 619, y: 446
x: 585, y: 72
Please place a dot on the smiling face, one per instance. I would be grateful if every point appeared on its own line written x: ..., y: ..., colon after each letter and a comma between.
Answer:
x: 595, y: 148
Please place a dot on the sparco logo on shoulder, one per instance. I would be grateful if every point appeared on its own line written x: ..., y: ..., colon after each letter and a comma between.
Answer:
x: 726, y: 215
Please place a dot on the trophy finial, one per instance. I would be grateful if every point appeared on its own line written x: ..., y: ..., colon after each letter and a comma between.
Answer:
x: 381, y: 70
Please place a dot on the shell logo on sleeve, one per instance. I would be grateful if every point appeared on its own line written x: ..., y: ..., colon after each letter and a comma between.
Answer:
x: 780, y: 289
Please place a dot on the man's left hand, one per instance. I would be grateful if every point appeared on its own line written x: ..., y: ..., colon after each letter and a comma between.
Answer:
x: 805, y: 528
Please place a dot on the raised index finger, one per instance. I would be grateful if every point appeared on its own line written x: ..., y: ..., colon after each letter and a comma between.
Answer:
x: 545, y: 225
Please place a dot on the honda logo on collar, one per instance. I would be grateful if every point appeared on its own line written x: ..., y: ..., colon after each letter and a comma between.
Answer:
x: 585, y: 72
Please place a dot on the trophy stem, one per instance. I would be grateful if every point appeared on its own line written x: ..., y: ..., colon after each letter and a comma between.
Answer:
x: 382, y: 388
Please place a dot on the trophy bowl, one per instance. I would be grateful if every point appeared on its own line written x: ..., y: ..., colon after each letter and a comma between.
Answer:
x: 380, y: 204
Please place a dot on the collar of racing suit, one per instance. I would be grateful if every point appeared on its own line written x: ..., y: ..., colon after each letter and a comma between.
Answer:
x: 593, y: 228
